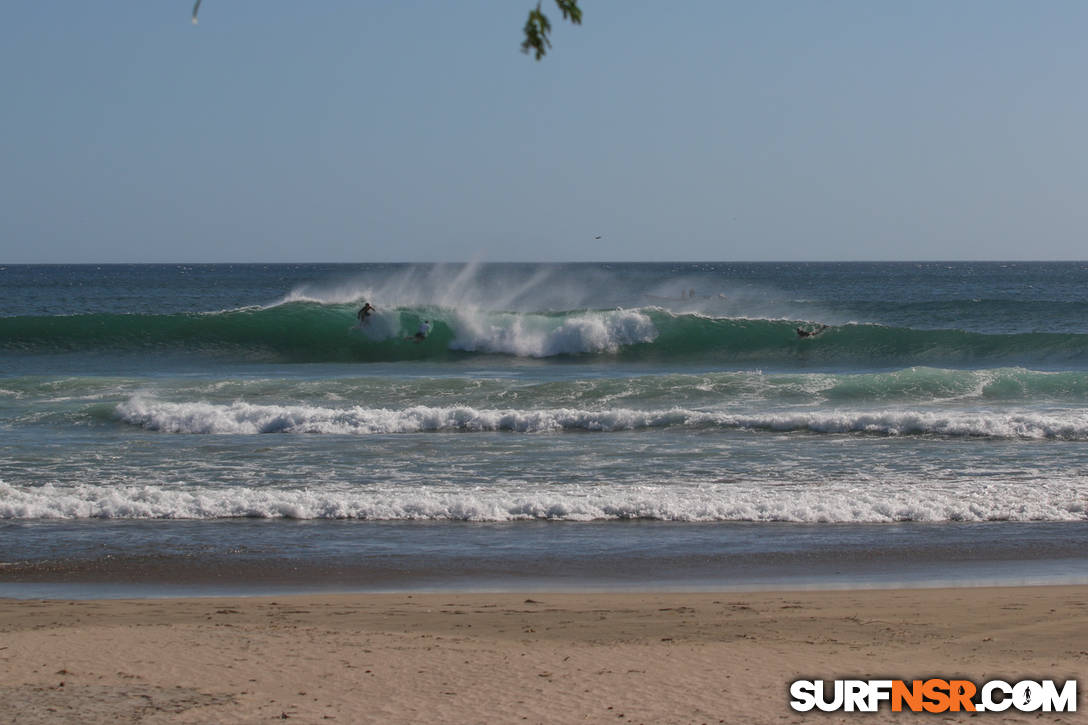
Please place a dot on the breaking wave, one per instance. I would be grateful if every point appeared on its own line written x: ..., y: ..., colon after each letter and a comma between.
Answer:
x: 1047, y: 501
x: 242, y: 418
x: 307, y: 331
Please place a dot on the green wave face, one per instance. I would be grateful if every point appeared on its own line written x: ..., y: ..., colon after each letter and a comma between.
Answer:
x: 295, y: 332
x: 313, y: 332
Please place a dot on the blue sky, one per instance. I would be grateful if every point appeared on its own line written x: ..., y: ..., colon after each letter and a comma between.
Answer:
x: 412, y: 130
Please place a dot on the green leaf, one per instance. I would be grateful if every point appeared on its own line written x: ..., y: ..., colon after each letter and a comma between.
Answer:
x: 538, y: 26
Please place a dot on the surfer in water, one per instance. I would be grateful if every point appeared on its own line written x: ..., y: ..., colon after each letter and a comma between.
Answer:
x: 422, y: 332
x: 802, y: 332
x: 364, y: 313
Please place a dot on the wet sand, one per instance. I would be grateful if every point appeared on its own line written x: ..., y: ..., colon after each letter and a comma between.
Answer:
x: 521, y: 658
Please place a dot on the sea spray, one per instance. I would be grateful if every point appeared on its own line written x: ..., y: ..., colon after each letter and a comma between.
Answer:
x: 543, y: 336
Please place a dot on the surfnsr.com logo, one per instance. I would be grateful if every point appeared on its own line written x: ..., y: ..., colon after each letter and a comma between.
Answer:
x: 933, y: 695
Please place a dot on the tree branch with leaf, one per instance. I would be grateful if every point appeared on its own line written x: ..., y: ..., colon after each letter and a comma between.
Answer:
x: 537, y: 26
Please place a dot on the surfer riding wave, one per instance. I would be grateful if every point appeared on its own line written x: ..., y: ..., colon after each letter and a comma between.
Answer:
x: 811, y: 332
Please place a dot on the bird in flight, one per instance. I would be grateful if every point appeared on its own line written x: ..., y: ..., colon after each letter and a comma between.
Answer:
x: 196, y: 9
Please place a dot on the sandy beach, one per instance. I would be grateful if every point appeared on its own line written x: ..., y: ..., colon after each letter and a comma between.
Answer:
x: 540, y: 658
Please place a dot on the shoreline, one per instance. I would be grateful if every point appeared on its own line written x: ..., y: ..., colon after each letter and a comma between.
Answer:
x: 454, y: 656
x: 122, y: 591
x: 86, y: 560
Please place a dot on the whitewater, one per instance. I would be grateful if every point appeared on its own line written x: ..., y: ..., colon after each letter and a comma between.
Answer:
x: 160, y: 410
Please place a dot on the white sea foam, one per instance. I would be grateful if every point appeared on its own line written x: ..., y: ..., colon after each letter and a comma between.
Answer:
x: 249, y: 418
x: 544, y: 336
x: 835, y: 503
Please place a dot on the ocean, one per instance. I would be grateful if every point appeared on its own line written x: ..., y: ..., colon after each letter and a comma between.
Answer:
x: 231, y: 428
